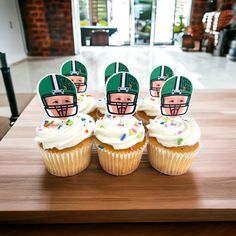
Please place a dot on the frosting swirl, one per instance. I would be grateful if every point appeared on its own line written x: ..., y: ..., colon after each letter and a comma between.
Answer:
x: 119, y: 132
x: 101, y: 105
x: 150, y: 106
x: 86, y: 103
x: 60, y: 134
x: 174, y: 132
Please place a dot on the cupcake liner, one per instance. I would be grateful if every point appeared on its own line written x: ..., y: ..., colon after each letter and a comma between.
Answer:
x: 67, y: 163
x: 118, y: 163
x: 170, y: 162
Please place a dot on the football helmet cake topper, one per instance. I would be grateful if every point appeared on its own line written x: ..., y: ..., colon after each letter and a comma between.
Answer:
x: 58, y: 96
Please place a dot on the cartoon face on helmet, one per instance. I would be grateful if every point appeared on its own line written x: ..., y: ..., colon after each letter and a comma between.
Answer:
x: 114, y: 68
x: 175, y: 96
x: 122, y: 91
x: 158, y: 76
x: 58, y: 96
x: 77, y: 73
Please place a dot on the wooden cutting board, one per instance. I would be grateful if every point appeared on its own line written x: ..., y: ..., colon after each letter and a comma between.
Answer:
x: 28, y: 194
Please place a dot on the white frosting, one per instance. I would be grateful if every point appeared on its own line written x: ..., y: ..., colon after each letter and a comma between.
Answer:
x: 101, y: 105
x: 60, y: 134
x: 174, y: 132
x: 86, y: 103
x: 150, y: 106
x: 119, y: 132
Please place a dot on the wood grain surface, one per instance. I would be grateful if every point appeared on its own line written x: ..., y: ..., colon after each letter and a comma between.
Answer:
x: 28, y: 194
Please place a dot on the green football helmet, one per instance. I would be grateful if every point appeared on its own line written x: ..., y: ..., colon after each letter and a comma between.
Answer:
x: 124, y: 88
x: 54, y: 86
x: 75, y: 68
x: 159, y: 74
x: 114, y: 68
x: 174, y: 88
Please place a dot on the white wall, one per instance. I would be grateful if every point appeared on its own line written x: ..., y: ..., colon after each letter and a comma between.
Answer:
x: 11, y: 36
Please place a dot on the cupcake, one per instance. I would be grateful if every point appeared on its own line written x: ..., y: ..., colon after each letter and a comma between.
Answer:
x: 120, y: 142
x: 87, y: 104
x: 148, y: 108
x: 173, y: 144
x: 65, y: 144
x: 101, y: 108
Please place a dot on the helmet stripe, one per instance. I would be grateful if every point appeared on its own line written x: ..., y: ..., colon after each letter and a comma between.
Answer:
x: 177, y: 83
x: 55, y: 83
x: 162, y: 70
x: 123, y: 79
x: 116, y: 67
x: 73, y: 66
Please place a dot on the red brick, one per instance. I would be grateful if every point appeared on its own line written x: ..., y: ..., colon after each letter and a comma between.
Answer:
x: 48, y: 27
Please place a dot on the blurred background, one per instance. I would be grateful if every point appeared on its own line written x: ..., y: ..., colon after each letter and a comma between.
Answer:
x: 196, y: 38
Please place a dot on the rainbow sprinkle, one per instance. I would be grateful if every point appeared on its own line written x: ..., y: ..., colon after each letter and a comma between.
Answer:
x: 83, y: 119
x: 100, y: 146
x: 134, y: 130
x: 180, y: 140
x: 47, y: 123
x: 166, y: 119
x: 131, y: 132
x: 59, y: 126
x: 69, y: 122
x: 122, y: 138
x: 180, y: 132
x: 140, y: 135
x: 86, y: 131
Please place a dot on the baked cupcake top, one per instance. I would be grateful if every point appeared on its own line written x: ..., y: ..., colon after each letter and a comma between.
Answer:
x: 174, y: 132
x: 149, y: 105
x: 86, y: 103
x: 101, y: 105
x: 119, y: 132
x: 61, y: 134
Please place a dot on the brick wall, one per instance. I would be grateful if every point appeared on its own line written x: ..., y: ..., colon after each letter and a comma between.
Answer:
x: 48, y: 27
x: 199, y: 8
x: 225, y: 4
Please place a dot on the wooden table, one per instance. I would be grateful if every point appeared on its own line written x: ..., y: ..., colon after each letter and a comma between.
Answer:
x: 28, y: 194
x: 86, y: 31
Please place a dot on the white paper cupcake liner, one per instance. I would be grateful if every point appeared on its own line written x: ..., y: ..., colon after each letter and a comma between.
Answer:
x: 170, y: 162
x: 118, y: 163
x: 67, y: 163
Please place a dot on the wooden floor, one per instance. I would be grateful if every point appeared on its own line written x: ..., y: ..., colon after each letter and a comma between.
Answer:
x: 22, y: 102
x: 204, y: 70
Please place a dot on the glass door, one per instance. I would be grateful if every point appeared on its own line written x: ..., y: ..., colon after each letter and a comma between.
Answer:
x: 142, y: 21
x: 119, y: 17
x: 164, y: 21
